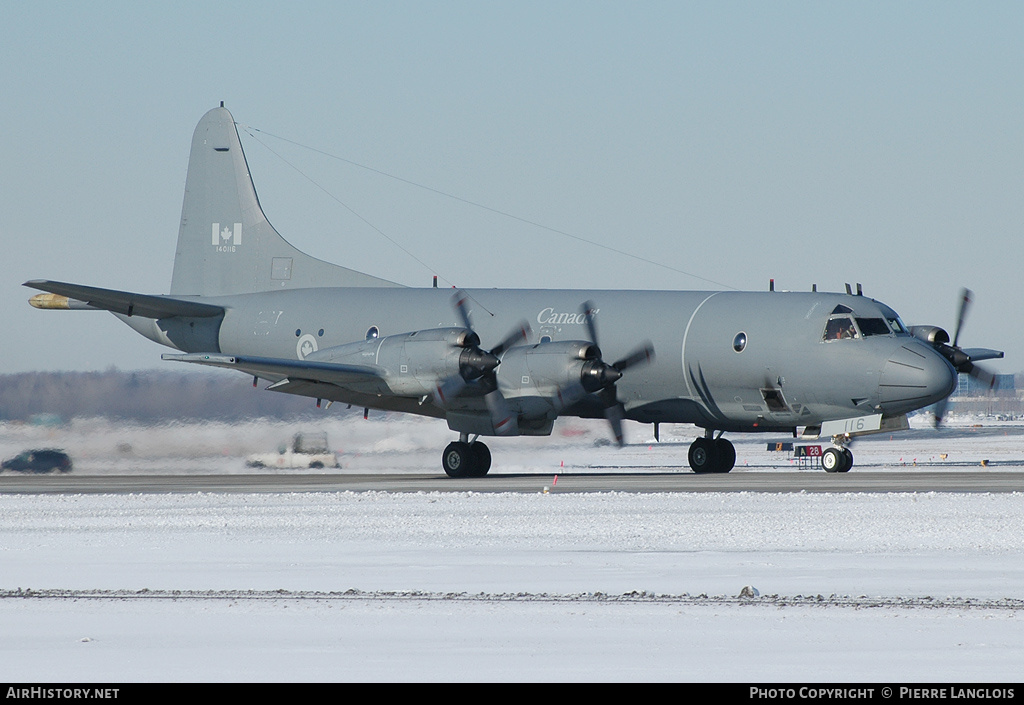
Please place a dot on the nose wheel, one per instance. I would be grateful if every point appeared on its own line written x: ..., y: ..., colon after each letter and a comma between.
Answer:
x: 837, y: 460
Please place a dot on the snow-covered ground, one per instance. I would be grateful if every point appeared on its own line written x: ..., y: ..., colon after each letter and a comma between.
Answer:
x: 523, y: 587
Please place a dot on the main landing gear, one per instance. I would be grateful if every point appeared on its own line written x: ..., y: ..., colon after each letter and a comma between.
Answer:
x: 464, y: 459
x: 709, y: 454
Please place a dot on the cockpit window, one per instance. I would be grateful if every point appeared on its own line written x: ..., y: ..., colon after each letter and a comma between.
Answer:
x: 840, y: 328
x: 897, y: 327
x: 873, y: 326
x: 896, y: 324
x: 841, y: 309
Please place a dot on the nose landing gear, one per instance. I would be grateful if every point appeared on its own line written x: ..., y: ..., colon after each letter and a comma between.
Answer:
x: 837, y: 459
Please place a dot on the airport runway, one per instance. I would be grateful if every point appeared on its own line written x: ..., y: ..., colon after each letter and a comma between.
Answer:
x: 640, y: 482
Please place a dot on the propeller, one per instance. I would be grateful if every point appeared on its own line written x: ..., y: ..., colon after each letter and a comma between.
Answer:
x: 478, y: 364
x: 461, y: 303
x: 963, y: 360
x: 604, y: 376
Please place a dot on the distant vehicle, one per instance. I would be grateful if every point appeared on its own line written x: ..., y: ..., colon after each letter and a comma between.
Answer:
x: 308, y: 450
x: 39, y: 461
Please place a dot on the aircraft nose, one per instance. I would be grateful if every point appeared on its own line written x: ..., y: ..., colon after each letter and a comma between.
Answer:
x: 914, y: 376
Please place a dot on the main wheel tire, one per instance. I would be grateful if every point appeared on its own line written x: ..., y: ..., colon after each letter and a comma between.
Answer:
x: 481, y: 457
x: 457, y: 459
x: 703, y: 456
x: 726, y: 455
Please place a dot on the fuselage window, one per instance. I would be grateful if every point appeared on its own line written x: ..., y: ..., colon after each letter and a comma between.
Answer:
x: 840, y: 328
x: 873, y: 326
x: 739, y: 342
x: 372, y: 333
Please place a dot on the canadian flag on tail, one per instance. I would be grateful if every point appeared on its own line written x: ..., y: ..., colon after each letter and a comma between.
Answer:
x: 222, y: 236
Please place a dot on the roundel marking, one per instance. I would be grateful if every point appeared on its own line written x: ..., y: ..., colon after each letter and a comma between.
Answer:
x: 306, y: 345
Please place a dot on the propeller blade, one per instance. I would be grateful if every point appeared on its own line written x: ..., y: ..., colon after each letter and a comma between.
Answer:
x: 641, y: 356
x: 519, y: 334
x: 615, y: 414
x: 448, y: 389
x: 982, y: 354
x: 460, y: 301
x: 966, y: 295
x: 607, y: 375
x: 587, y: 309
x: 567, y: 397
x: 502, y: 418
x: 987, y: 379
x: 962, y: 359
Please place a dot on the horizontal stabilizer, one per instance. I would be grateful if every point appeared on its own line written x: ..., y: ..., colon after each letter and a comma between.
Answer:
x: 277, y: 369
x: 123, y: 302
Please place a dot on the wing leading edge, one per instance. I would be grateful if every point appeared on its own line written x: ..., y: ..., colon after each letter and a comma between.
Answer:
x: 354, y: 377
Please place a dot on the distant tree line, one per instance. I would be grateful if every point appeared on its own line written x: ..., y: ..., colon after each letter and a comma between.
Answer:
x: 144, y: 396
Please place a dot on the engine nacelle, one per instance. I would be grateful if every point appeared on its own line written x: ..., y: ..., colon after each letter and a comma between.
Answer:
x: 412, y: 364
x: 930, y: 334
x: 541, y: 379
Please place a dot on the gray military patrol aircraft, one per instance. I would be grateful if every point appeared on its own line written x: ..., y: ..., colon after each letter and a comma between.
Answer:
x: 500, y: 362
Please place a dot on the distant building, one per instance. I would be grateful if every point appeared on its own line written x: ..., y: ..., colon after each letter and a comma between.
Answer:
x: 967, y: 386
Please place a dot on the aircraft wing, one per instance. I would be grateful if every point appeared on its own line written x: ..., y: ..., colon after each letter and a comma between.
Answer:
x: 76, y: 296
x: 347, y: 376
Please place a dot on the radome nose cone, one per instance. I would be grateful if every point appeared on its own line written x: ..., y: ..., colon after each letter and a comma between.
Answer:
x: 915, y: 376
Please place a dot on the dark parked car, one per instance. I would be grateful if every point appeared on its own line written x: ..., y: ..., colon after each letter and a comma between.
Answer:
x: 47, y: 460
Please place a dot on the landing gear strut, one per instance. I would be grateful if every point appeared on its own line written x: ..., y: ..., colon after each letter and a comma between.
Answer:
x: 709, y: 454
x: 464, y: 459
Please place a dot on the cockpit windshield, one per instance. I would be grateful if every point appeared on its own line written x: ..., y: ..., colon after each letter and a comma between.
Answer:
x: 873, y: 326
x: 845, y: 324
x: 896, y: 324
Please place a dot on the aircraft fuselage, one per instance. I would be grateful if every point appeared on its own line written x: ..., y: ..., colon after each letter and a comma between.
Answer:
x: 736, y: 361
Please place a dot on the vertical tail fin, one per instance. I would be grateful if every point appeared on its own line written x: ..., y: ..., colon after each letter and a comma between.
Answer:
x: 226, y: 245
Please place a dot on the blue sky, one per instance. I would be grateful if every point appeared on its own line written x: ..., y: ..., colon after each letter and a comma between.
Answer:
x: 814, y: 143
